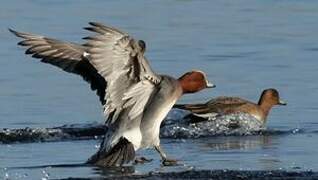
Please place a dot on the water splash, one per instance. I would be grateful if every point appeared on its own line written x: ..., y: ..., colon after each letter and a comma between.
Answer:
x: 175, y: 126
x: 45, y: 175
x: 234, y: 124
x: 66, y: 132
x: 5, y: 174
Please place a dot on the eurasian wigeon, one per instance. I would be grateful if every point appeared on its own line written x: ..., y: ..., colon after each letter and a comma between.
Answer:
x: 231, y: 105
x: 135, y: 99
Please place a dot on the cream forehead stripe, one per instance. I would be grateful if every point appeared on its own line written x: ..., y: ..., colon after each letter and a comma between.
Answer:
x: 204, y: 75
x: 200, y: 72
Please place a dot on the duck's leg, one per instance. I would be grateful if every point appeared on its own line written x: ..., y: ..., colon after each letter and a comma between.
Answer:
x: 165, y: 161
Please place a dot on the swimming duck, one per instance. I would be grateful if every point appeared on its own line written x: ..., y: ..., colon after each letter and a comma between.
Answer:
x: 230, y: 105
x: 135, y: 99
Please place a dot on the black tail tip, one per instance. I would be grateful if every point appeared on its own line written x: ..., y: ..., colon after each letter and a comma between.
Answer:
x: 122, y: 153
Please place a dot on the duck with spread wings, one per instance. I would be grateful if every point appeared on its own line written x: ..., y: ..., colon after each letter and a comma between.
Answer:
x: 135, y: 99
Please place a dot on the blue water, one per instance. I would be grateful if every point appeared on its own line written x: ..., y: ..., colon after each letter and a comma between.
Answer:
x: 244, y: 46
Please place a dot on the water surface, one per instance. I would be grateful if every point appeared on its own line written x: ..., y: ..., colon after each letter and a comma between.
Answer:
x: 244, y: 46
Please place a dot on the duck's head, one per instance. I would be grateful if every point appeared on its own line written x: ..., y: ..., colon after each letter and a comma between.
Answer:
x: 270, y: 97
x: 194, y: 81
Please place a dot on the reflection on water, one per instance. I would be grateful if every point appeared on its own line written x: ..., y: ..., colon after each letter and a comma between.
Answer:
x: 269, y: 163
x: 114, y: 171
x: 265, y: 152
x: 239, y: 143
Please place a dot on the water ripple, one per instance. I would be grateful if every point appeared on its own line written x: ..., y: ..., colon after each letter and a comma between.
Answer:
x: 231, y: 125
x: 66, y: 132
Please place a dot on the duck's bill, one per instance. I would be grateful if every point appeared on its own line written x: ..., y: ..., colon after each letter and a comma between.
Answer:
x: 210, y: 85
x: 283, y: 103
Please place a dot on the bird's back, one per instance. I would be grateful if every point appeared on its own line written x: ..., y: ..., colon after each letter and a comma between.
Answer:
x: 227, y: 105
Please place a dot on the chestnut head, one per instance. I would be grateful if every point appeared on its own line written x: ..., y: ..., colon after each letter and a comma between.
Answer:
x: 194, y: 81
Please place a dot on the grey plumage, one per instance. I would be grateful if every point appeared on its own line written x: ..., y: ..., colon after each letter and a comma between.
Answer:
x: 131, y: 85
x: 119, y: 58
x: 134, y: 98
x: 67, y: 56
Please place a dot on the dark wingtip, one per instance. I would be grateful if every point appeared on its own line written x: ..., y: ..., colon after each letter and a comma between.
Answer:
x: 89, y: 28
x: 13, y: 31
x: 94, y: 24
x: 22, y: 43
x: 18, y: 34
x: 91, y: 23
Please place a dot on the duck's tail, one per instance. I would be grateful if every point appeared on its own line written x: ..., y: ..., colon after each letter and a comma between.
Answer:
x: 122, y: 153
x: 199, y: 112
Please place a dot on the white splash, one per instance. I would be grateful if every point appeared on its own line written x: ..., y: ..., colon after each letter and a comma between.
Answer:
x: 176, y: 126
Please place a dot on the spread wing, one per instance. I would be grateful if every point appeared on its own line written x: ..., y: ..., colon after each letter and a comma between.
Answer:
x: 120, y: 60
x: 67, y: 56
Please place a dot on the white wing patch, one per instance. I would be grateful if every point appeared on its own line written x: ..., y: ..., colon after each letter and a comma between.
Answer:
x: 120, y: 60
x: 209, y: 116
x: 138, y: 96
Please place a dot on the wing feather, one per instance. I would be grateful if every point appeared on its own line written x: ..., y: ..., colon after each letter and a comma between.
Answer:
x: 120, y: 60
x: 67, y: 56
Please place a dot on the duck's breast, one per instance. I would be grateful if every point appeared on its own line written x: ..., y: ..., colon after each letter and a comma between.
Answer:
x: 168, y: 93
x: 253, y: 110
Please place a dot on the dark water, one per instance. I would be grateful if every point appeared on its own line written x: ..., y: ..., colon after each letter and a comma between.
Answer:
x: 244, y: 46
